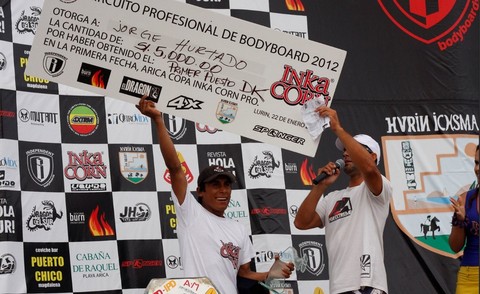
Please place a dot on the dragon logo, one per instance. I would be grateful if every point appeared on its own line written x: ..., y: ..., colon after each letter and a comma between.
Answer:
x: 43, y: 218
x: 263, y: 167
x: 28, y: 23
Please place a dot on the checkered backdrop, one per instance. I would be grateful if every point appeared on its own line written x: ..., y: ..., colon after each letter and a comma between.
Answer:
x: 85, y: 203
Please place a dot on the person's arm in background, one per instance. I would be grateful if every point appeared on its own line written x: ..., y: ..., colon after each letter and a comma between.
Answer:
x: 457, y: 237
x: 169, y: 153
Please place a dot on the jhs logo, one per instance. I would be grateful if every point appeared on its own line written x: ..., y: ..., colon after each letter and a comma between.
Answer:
x: 137, y: 213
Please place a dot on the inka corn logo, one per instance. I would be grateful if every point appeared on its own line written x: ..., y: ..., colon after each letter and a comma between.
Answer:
x: 445, y: 23
x: 82, y: 119
x: 298, y: 87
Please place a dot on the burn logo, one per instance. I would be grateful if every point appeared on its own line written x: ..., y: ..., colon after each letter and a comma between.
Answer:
x: 94, y: 75
x: 98, y: 224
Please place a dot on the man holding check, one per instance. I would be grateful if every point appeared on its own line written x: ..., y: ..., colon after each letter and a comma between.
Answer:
x: 211, y: 245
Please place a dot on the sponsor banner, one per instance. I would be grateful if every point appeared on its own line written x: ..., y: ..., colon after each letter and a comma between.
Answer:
x: 47, y: 267
x: 199, y: 65
x: 425, y: 171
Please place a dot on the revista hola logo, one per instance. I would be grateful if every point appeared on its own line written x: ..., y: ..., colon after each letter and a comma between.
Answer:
x: 444, y: 22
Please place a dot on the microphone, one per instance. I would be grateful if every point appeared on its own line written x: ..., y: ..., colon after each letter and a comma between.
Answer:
x: 340, y: 164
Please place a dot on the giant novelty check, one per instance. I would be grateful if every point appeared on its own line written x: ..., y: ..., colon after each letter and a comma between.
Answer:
x: 194, y: 63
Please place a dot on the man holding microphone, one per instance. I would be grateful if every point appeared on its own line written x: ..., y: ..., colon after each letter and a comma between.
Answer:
x: 354, y: 218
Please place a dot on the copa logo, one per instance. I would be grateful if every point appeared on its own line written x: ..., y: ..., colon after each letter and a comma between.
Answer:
x: 82, y: 119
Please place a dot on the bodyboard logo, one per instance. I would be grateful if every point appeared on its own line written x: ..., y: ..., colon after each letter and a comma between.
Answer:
x: 425, y: 21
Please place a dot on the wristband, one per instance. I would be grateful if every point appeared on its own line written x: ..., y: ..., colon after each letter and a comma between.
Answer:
x: 457, y: 223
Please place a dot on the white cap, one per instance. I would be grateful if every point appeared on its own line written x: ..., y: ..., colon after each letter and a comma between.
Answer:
x: 364, y: 140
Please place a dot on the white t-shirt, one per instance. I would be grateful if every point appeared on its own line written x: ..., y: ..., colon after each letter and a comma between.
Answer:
x: 211, y: 246
x: 354, y: 220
